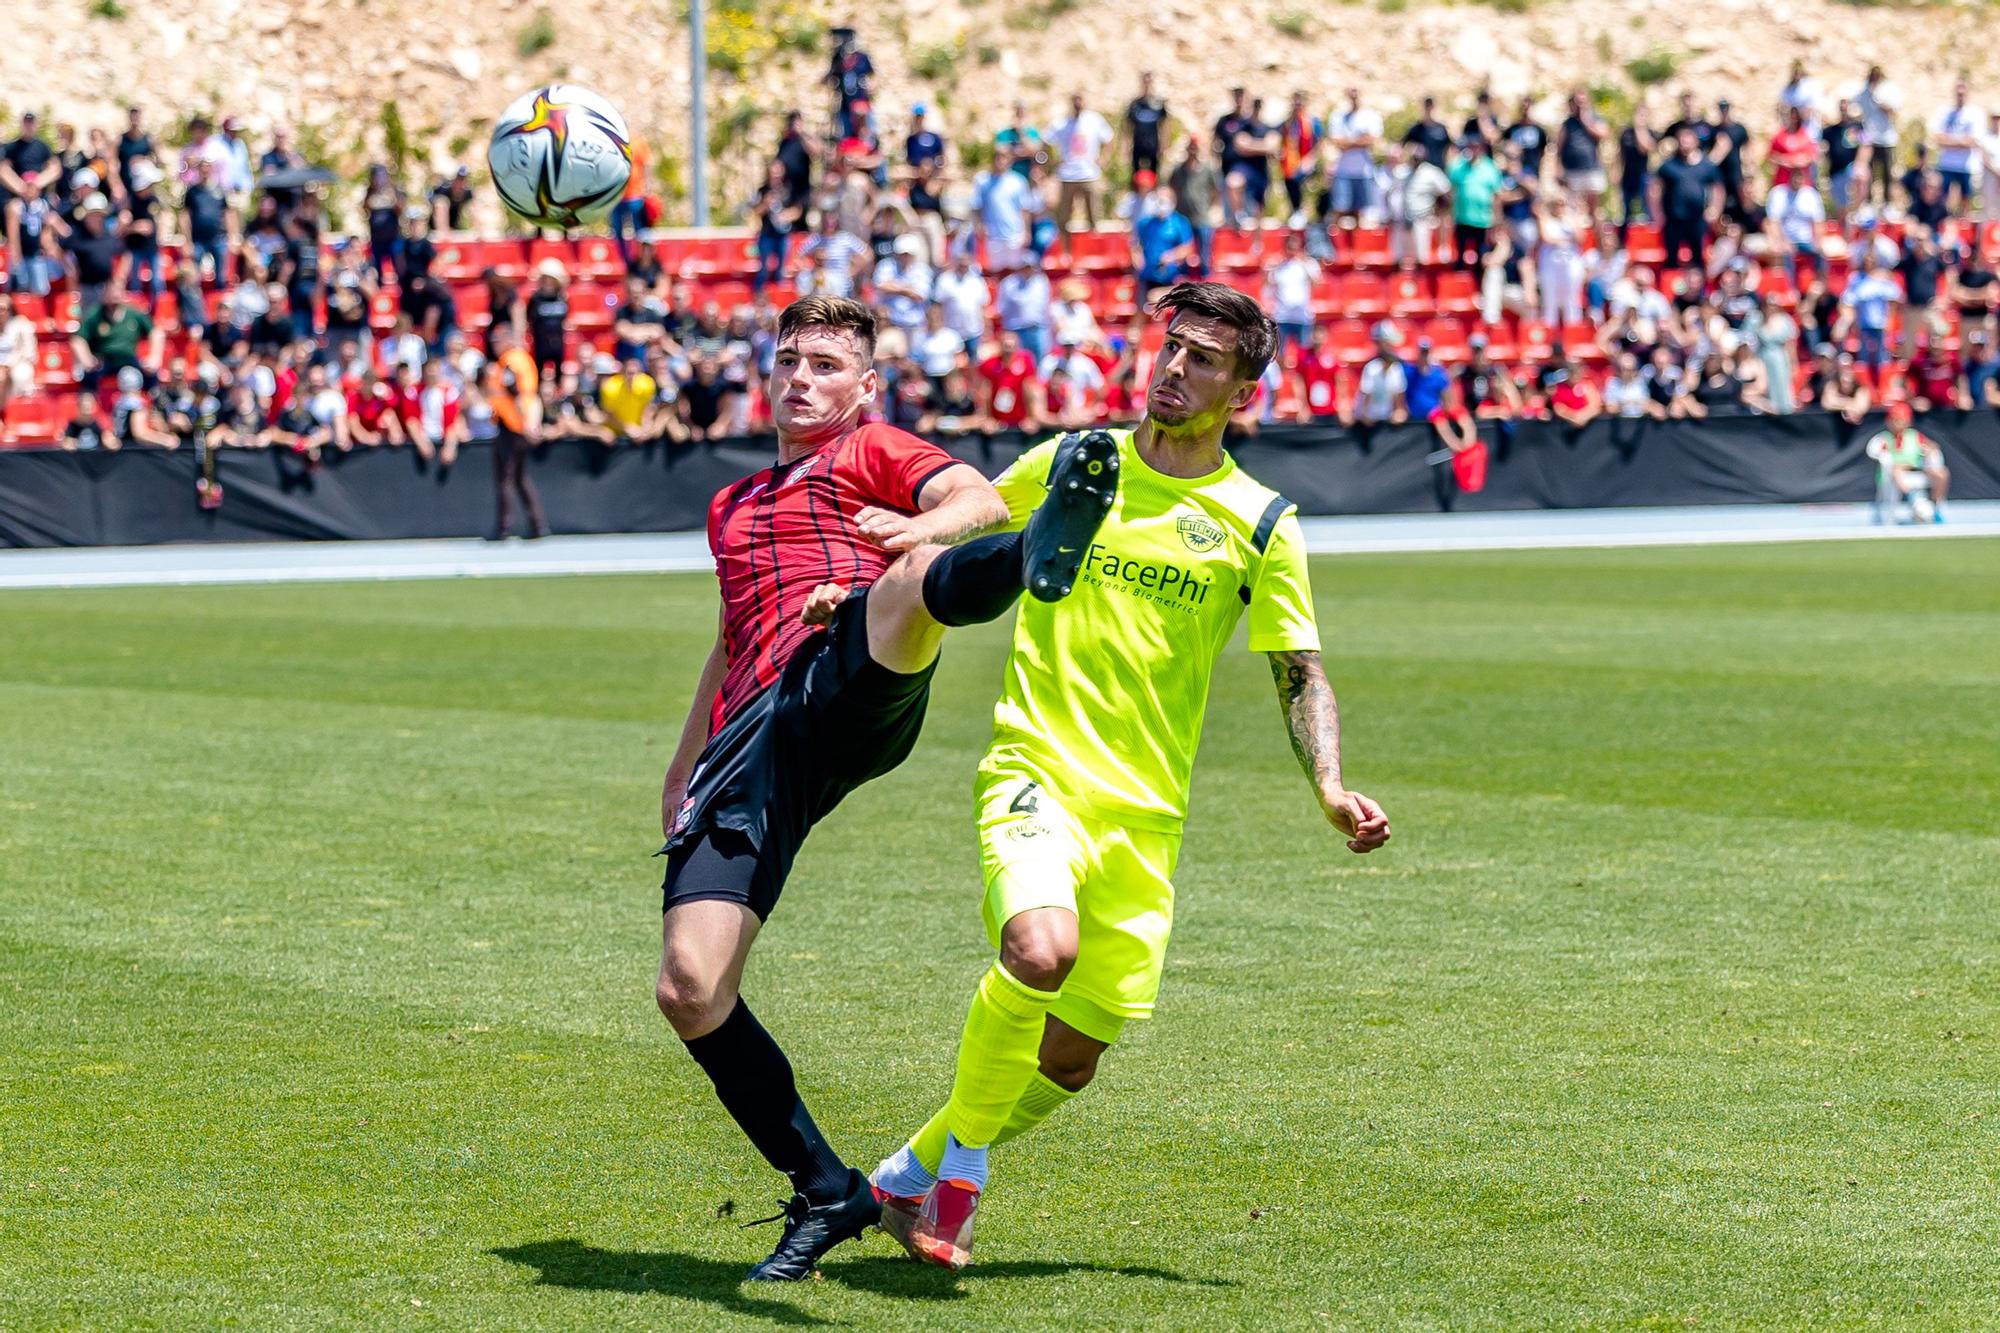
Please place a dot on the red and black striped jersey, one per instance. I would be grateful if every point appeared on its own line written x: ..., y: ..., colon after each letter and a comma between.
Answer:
x: 780, y: 533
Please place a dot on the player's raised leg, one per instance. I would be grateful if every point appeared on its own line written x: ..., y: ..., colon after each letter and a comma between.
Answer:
x: 933, y: 586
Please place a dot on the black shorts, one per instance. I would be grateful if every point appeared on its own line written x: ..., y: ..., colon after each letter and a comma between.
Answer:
x: 835, y: 719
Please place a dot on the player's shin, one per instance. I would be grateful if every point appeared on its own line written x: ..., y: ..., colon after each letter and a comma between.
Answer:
x: 997, y: 1058
x: 1041, y: 1099
x: 974, y: 582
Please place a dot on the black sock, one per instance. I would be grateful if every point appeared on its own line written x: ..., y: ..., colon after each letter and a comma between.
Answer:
x: 754, y: 1080
x: 975, y: 582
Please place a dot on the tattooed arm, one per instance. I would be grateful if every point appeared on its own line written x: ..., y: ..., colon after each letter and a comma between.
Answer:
x: 1313, y: 719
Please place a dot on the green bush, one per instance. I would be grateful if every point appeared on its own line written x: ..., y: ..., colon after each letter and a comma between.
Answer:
x: 1292, y: 22
x: 537, y: 35
x: 937, y: 63
x: 107, y: 9
x: 1656, y: 66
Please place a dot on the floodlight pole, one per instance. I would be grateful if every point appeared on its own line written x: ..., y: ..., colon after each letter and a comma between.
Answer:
x: 698, y: 112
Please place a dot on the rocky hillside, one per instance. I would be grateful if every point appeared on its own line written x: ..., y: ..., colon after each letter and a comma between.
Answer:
x: 398, y: 79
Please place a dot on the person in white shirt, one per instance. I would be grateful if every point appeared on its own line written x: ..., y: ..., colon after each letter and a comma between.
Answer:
x: 1024, y: 307
x: 17, y: 356
x: 937, y: 347
x: 1989, y: 167
x: 1878, y: 101
x: 903, y: 283
x: 1070, y: 359
x: 1411, y: 186
x: 960, y: 291
x: 1794, y: 215
x: 1955, y: 135
x: 1801, y: 93
x: 1626, y: 394
x: 1072, y: 317
x: 1353, y: 133
x: 1081, y: 141
x: 1288, y: 289
x: 1381, y: 396
x: 1007, y: 201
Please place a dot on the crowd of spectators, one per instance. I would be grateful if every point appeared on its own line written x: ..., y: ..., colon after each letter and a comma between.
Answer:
x: 1691, y: 270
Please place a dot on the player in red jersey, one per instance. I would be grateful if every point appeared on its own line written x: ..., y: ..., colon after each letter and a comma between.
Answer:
x: 836, y: 592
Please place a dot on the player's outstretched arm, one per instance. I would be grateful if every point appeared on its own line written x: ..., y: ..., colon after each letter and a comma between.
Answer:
x: 694, y: 732
x: 957, y: 503
x: 1313, y: 720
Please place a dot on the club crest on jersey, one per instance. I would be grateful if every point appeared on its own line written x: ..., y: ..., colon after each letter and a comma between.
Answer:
x: 1198, y: 534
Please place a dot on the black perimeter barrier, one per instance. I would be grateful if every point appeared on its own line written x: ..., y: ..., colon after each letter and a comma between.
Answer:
x: 144, y: 496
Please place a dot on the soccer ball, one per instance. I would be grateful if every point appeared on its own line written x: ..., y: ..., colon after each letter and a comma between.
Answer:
x: 560, y: 156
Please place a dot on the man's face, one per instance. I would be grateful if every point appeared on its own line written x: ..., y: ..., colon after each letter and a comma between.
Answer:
x: 1689, y: 144
x: 1076, y: 103
x: 1195, y: 382
x: 820, y: 381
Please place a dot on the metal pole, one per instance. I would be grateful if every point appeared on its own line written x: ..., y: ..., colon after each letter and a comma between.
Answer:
x: 698, y: 112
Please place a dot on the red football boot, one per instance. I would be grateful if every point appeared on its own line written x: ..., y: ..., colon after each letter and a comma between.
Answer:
x: 943, y: 1232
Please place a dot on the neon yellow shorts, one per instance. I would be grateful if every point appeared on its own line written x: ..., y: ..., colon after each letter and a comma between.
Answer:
x: 1033, y: 852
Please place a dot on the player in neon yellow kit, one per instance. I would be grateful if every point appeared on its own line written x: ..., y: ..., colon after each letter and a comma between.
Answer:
x: 1082, y: 793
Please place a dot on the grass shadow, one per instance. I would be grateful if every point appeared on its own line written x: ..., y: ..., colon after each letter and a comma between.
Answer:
x: 571, y: 1263
x: 900, y: 1277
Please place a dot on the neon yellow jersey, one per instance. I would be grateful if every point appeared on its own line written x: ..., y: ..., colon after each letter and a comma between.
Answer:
x: 1105, y: 690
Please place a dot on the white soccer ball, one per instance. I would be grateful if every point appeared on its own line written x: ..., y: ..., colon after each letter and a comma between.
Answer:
x: 560, y: 156
x: 1921, y: 508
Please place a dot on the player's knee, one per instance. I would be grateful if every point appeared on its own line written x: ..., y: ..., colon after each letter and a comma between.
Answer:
x: 691, y: 1004
x: 1070, y: 1069
x: 1039, y: 956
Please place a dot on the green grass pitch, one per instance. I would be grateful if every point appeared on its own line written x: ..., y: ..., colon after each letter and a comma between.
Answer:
x: 327, y: 933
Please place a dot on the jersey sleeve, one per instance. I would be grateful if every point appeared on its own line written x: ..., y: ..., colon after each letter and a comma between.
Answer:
x: 1281, y: 600
x: 891, y: 466
x: 1025, y: 483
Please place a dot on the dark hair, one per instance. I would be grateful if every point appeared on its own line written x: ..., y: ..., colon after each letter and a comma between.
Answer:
x: 830, y: 312
x: 1256, y: 335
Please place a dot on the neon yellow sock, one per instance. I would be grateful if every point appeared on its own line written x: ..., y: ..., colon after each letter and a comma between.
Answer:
x: 997, y: 1055
x: 1041, y: 1100
x: 928, y: 1144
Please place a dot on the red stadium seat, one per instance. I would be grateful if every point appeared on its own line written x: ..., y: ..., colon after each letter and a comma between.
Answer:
x: 1350, y: 341
x: 1234, y: 251
x: 1368, y: 247
x: 1501, y: 344
x: 591, y: 306
x: 475, y: 306
x: 561, y: 251
x: 1101, y: 251
x: 717, y: 257
x: 1537, y: 341
x: 1117, y: 298
x: 1457, y: 292
x: 597, y: 259
x: 1643, y: 244
x: 383, y: 308
x: 1327, y: 296
x: 54, y: 363
x: 32, y: 419
x: 1364, y: 295
x: 1580, y: 341
x: 1408, y: 294
x: 62, y: 313
x: 1448, y: 339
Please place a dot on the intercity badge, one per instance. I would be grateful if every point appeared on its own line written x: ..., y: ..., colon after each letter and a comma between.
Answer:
x: 1198, y: 533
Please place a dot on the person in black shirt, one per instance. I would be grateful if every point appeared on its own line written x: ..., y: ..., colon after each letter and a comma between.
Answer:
x: 777, y: 218
x: 1529, y: 137
x: 1688, y: 185
x: 28, y: 156
x: 850, y: 74
x: 1691, y: 119
x: 1144, y: 116
x: 1927, y: 201
x: 1227, y: 126
x: 141, y: 230
x: 273, y: 329
x: 451, y: 202
x: 383, y: 200
x: 1580, y: 155
x: 705, y: 400
x: 922, y: 145
x: 95, y: 252
x: 1636, y: 144
x: 546, y: 312
x: 1841, y: 140
x: 1432, y: 133
x: 86, y: 430
x: 1726, y: 151
x: 207, y: 220
x: 795, y: 155
x: 432, y: 312
x: 280, y: 157
x: 302, y: 272
x: 1483, y: 123
x: 1923, y: 265
x: 133, y: 144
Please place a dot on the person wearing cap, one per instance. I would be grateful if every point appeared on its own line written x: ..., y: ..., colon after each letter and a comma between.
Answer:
x: 1381, y: 398
x: 545, y: 312
x: 1910, y: 467
x: 903, y: 283
x: 141, y: 230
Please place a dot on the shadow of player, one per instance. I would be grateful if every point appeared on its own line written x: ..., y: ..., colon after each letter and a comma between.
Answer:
x: 571, y: 1263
